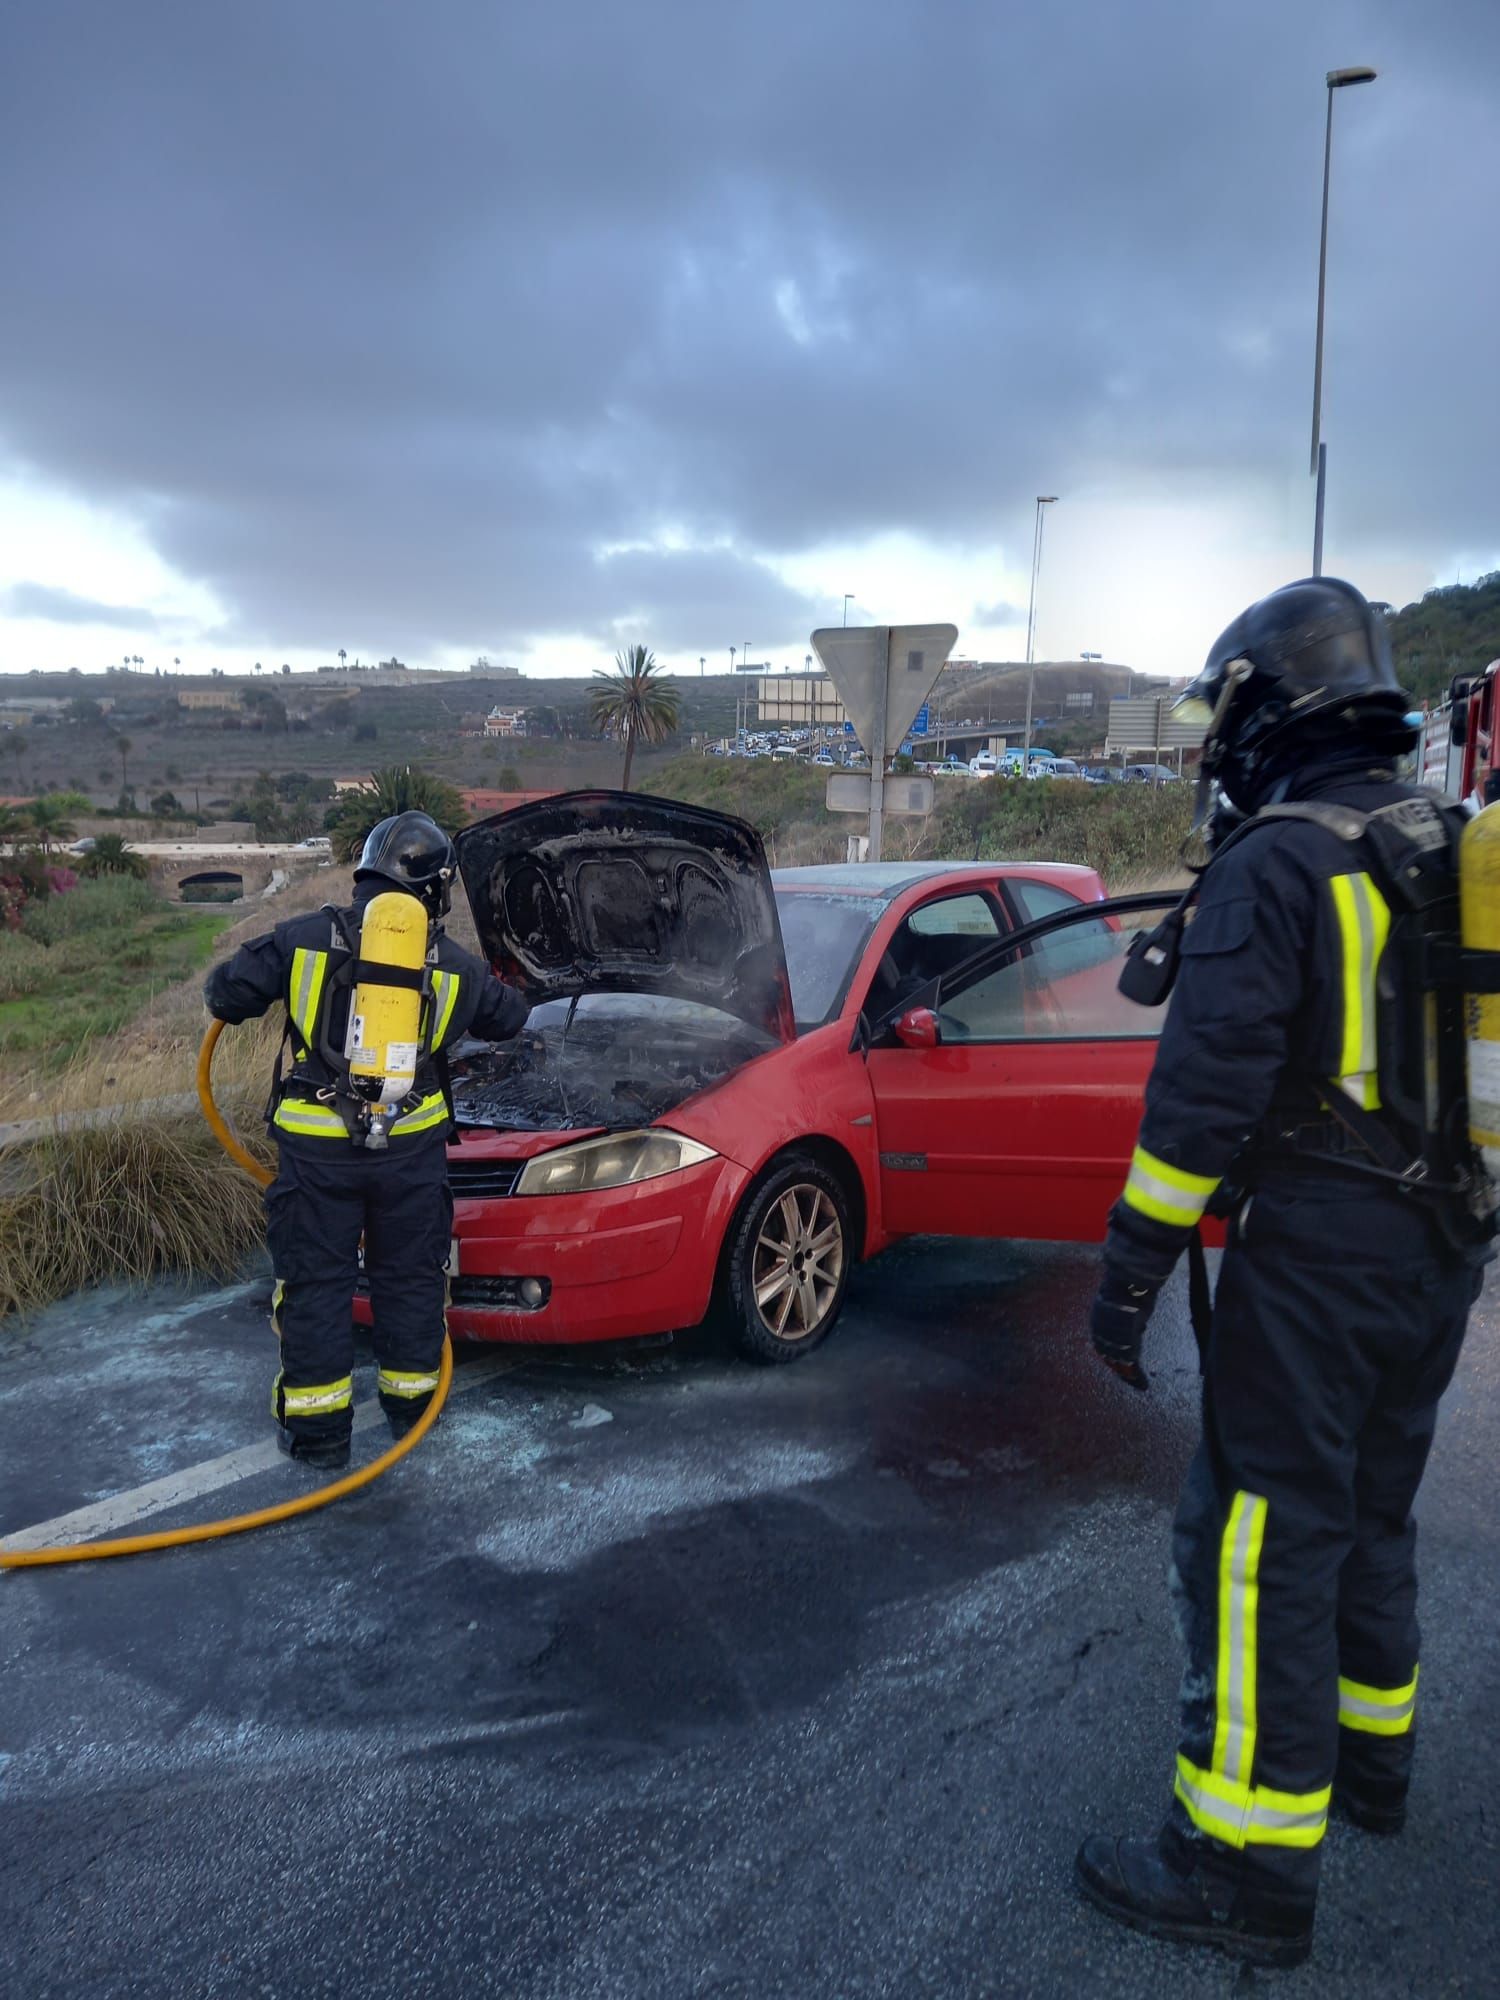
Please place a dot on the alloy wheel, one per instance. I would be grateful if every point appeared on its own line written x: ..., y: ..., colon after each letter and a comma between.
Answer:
x: 798, y: 1263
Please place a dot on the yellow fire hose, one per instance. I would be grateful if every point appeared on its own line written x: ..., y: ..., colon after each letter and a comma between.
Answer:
x: 285, y: 1510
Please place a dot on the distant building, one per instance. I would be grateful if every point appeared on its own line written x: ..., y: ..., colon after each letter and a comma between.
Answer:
x: 224, y: 697
x: 483, y: 667
x: 363, y: 783
x: 798, y: 701
x: 505, y: 722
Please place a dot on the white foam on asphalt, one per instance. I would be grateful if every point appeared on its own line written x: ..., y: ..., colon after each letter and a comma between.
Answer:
x: 106, y: 1517
x: 579, y: 1508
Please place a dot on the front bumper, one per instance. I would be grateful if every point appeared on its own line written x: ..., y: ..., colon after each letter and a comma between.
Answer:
x: 622, y: 1262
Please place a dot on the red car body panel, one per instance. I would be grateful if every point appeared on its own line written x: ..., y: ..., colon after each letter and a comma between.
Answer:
x: 1017, y: 1139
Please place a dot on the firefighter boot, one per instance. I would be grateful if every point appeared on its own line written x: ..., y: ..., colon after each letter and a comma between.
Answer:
x: 1162, y: 1887
x: 317, y: 1441
x: 401, y: 1414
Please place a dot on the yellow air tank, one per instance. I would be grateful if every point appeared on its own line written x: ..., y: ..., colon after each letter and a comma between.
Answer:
x: 385, y: 1021
x: 1479, y: 919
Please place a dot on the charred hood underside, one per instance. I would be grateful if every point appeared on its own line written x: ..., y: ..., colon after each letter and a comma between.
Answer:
x: 608, y: 892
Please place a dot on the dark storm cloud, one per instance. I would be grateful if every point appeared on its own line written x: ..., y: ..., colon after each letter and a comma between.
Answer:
x: 390, y: 322
x: 65, y: 607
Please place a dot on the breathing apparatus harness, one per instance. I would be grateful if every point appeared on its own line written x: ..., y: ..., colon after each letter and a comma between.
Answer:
x: 1419, y: 1139
x: 359, y: 1099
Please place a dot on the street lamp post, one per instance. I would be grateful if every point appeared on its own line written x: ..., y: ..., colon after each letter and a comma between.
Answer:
x: 847, y: 595
x: 1042, y: 500
x: 1336, y: 79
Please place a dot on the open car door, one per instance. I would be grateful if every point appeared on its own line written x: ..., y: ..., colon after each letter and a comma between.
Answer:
x: 1009, y: 1091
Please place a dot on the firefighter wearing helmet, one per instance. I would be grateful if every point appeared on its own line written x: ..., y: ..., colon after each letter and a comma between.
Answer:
x: 375, y: 994
x: 1309, y: 1086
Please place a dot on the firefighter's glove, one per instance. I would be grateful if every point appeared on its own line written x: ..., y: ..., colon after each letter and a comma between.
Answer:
x: 1117, y: 1325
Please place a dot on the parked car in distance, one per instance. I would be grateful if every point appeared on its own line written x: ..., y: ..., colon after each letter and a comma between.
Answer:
x: 734, y: 1086
x: 1150, y: 774
x: 1055, y: 767
x: 316, y: 840
x: 985, y: 764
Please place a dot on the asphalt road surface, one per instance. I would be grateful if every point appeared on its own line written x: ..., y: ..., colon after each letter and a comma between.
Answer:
x: 652, y: 1674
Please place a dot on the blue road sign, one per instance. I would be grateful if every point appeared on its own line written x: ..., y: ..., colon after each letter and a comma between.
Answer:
x: 923, y: 722
x: 848, y: 728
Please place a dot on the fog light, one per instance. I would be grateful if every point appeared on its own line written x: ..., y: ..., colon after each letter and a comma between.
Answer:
x: 533, y: 1293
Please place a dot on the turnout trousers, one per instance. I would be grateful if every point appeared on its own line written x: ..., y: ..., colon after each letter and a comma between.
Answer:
x: 325, y: 1198
x: 1337, y: 1326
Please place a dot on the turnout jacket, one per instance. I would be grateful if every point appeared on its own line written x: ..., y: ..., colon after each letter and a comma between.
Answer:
x: 291, y: 964
x: 1273, y: 1010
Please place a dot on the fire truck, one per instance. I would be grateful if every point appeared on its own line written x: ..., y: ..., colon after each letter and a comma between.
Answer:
x: 1457, y: 751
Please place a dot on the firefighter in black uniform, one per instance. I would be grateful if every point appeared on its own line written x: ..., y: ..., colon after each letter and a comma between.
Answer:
x: 329, y: 1192
x: 1355, y: 1240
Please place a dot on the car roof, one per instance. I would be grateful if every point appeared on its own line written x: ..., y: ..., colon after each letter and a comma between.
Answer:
x: 886, y: 880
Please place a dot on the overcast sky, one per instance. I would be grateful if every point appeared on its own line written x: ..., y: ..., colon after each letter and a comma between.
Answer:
x: 536, y: 329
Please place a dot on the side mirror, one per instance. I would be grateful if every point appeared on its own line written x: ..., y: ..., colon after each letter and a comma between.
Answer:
x: 918, y: 1029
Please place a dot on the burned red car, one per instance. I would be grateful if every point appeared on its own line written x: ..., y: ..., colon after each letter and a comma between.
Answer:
x: 733, y: 1086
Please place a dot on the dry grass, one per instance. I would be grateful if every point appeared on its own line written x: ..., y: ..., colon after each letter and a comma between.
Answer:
x: 149, y: 1192
x: 156, y: 1055
x: 130, y: 1200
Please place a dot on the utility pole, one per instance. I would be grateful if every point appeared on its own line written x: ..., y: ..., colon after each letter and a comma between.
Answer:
x: 1336, y: 79
x: 1042, y: 500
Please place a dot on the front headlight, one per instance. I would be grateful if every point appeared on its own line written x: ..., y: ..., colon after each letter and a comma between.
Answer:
x: 617, y: 1160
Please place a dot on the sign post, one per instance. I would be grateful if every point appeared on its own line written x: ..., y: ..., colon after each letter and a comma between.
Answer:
x: 884, y: 674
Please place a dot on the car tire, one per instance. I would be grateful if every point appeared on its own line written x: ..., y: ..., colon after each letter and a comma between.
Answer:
x: 786, y: 1262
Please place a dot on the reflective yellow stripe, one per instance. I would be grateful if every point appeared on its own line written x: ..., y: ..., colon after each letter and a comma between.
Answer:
x: 1377, y: 1711
x: 1166, y: 1193
x: 445, y: 998
x: 322, y: 1396
x: 422, y: 1117
x: 316, y: 1121
x: 404, y: 1382
x: 309, y: 970
x: 310, y: 1120
x: 1239, y: 1608
x: 1364, y: 920
x: 278, y: 1299
x: 1250, y: 1815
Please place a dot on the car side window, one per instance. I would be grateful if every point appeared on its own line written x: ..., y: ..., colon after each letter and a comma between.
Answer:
x: 931, y: 942
x: 1069, y: 950
x: 1064, y: 987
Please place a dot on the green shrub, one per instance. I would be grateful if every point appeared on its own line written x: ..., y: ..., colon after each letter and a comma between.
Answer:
x: 23, y: 965
x: 114, y: 903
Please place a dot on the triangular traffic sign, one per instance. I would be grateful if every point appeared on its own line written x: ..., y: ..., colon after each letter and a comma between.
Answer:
x: 900, y: 662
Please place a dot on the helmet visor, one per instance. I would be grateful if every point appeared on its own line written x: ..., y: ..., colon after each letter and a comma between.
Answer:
x: 1192, y: 709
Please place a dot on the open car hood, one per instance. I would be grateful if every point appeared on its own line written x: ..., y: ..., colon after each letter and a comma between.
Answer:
x: 610, y: 892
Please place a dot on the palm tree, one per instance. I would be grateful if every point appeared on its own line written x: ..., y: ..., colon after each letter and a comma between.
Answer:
x: 110, y: 856
x: 48, y: 820
x: 396, y: 789
x: 632, y: 703
x: 124, y: 745
x: 342, y: 656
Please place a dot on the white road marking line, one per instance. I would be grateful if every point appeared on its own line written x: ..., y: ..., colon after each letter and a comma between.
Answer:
x: 104, y: 1516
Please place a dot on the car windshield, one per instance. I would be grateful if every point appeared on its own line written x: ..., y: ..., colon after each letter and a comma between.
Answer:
x: 824, y: 935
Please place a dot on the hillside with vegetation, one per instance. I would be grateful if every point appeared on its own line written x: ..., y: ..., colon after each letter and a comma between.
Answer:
x: 1455, y: 630
x: 1131, y: 833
